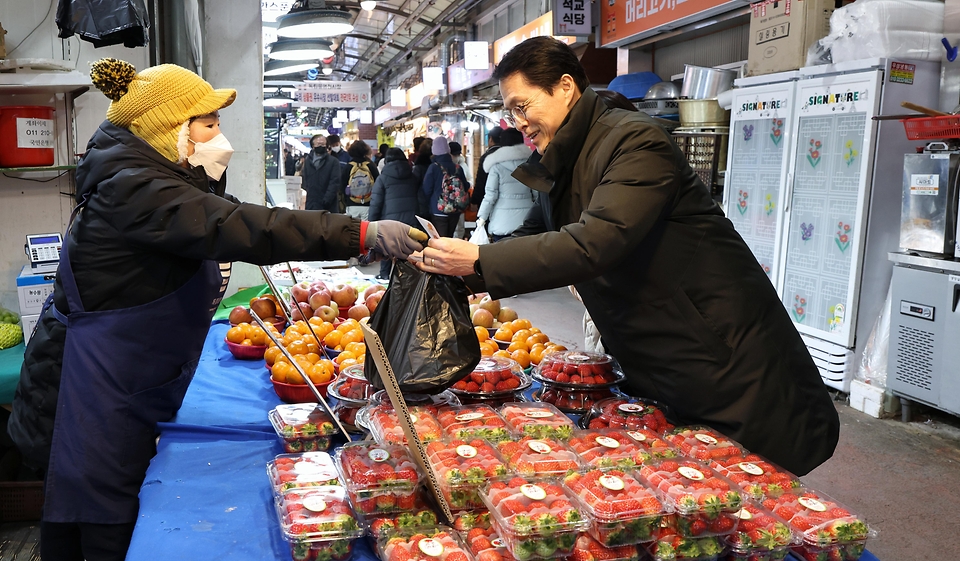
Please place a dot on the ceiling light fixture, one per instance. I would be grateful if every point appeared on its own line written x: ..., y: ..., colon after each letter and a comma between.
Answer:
x: 300, y: 49
x: 281, y: 67
x: 368, y: 5
x: 327, y: 70
x: 311, y: 18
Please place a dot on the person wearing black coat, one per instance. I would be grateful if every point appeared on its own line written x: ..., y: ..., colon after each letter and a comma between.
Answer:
x: 321, y: 177
x: 479, y: 188
x: 395, y: 195
x: 422, y: 159
x: 145, y: 263
x: 679, y: 299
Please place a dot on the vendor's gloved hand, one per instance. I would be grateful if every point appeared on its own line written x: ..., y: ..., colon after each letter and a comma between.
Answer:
x: 392, y: 239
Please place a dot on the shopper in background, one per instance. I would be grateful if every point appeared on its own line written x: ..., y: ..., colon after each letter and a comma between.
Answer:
x: 676, y: 293
x: 381, y: 156
x: 421, y: 163
x: 359, y: 180
x: 456, y: 152
x: 433, y: 182
x: 333, y: 144
x: 144, y: 265
x: 289, y: 162
x: 507, y: 201
x: 493, y: 144
x: 321, y: 177
x: 395, y: 196
x: 417, y: 143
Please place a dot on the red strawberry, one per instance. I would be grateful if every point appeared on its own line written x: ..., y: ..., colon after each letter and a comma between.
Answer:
x: 457, y: 555
x: 479, y: 544
x: 399, y: 553
x: 490, y: 555
x: 472, y: 387
x: 477, y: 378
x: 722, y: 525
x: 474, y: 534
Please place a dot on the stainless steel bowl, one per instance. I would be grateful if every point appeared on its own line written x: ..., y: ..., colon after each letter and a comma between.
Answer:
x: 662, y: 90
x: 700, y: 82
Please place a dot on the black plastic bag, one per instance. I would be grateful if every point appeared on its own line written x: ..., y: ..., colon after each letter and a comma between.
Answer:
x: 424, y: 323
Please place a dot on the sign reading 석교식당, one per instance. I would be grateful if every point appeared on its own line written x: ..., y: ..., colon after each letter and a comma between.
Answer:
x: 622, y: 21
x: 328, y: 93
x: 572, y: 17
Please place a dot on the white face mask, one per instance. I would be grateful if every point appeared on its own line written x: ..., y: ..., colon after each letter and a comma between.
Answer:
x: 213, y: 155
x: 335, y: 149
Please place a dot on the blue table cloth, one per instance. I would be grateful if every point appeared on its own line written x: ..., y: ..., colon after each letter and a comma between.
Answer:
x: 206, y: 494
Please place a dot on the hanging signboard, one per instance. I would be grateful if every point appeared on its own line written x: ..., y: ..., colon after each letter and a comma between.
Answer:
x: 328, y: 93
x: 572, y: 17
x: 543, y: 25
x: 460, y: 78
x: 388, y: 111
x: 625, y: 21
x: 476, y: 55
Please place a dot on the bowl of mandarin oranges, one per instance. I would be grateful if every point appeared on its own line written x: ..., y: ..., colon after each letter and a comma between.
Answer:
x: 246, y: 341
x: 343, y: 346
x: 518, y: 340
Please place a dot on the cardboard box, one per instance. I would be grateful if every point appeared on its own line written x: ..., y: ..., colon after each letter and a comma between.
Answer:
x: 33, y: 289
x: 28, y: 323
x: 782, y: 31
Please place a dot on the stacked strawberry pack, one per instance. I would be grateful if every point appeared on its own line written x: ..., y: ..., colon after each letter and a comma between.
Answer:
x: 310, y: 469
x: 704, y: 444
x: 403, y: 524
x: 462, y: 468
x: 380, y: 479
x: 760, y: 536
x: 575, y: 380
x: 589, y: 549
x: 352, y: 392
x: 303, y: 427
x: 626, y: 413
x: 538, y: 420
x: 319, y: 522
x: 495, y: 380
x: 440, y: 543
x: 486, y: 545
x: 758, y: 477
x: 473, y: 421
x: 539, y: 456
x: 622, y: 510
x: 535, y: 517
x: 609, y: 448
x: 703, y: 502
x: 828, y: 529
x: 384, y: 424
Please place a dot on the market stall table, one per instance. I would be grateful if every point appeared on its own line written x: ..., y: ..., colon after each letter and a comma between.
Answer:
x: 10, y: 361
x: 206, y: 494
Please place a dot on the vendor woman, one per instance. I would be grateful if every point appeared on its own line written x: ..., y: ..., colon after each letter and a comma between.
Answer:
x: 676, y: 294
x: 145, y: 265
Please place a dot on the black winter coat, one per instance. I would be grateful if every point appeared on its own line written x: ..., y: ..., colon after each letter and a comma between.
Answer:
x: 321, y: 180
x: 396, y: 194
x: 676, y: 294
x: 147, y: 227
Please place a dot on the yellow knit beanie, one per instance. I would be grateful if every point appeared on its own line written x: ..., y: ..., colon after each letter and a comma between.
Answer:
x: 155, y: 103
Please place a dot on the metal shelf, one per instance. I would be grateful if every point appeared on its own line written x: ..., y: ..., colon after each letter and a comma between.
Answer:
x: 39, y: 168
x: 12, y: 83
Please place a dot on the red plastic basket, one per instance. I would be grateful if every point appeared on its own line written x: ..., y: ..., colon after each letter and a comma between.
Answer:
x: 932, y: 128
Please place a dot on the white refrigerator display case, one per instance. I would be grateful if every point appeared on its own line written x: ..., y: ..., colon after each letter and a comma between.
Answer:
x: 839, y: 194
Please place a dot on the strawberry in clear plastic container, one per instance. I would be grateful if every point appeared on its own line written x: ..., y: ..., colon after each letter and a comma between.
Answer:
x: 337, y: 550
x: 623, y: 510
x: 589, y: 549
x: 703, y: 500
x: 317, y: 514
x: 827, y: 528
x: 493, y: 376
x: 539, y: 420
x: 470, y: 519
x: 535, y: 517
x: 430, y: 403
x: 462, y: 468
x: 405, y: 523
x: 570, y: 400
x: 671, y: 546
x: 704, y: 444
x: 627, y: 413
x: 352, y: 386
x: 578, y: 369
x: 379, y: 478
x: 539, y: 456
x: 303, y: 427
x: 609, y: 448
x: 758, y: 477
x: 487, y: 545
x: 309, y: 469
x: 760, y: 536
x: 431, y: 544
x: 473, y: 421
x: 385, y: 425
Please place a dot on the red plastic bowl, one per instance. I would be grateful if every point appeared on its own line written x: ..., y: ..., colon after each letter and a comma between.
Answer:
x: 246, y: 352
x: 299, y: 393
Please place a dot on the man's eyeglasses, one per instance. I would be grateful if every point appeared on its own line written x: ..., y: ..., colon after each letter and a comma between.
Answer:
x: 518, y: 112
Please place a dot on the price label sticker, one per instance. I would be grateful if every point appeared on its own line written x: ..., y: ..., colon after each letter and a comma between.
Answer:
x: 534, y: 492
x: 378, y: 455
x: 498, y: 542
x: 538, y: 414
x: 540, y: 447
x: 691, y: 473
x: 752, y: 469
x: 744, y: 514
x: 608, y: 442
x: 314, y: 503
x: 413, y: 417
x: 611, y: 482
x: 466, y: 451
x: 706, y: 439
x: 578, y: 357
x: 637, y: 435
x: 431, y: 547
x: 34, y: 133
x: 631, y: 407
x: 470, y: 416
x: 812, y: 504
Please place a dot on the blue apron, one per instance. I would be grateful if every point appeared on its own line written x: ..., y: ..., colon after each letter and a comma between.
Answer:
x: 123, y: 372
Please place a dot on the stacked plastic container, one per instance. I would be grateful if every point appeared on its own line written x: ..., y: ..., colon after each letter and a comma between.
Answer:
x: 318, y: 519
x: 626, y: 413
x: 473, y: 421
x: 380, y: 479
x: 495, y: 380
x: 619, y: 448
x: 828, y: 530
x: 539, y: 420
x: 574, y: 380
x: 352, y: 392
x: 622, y: 510
x: 440, y: 543
x: 302, y: 427
x: 539, y: 456
x: 309, y: 469
x: 463, y: 468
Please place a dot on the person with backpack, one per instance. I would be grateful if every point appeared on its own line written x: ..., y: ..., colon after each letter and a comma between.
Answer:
x: 506, y: 201
x: 447, y: 189
x: 358, y: 181
x: 395, y: 196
